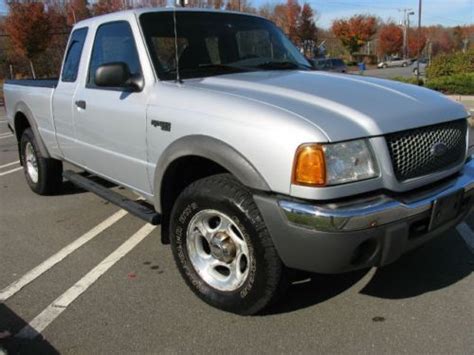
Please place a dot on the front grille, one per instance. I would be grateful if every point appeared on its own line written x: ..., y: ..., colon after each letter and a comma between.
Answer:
x: 412, y: 154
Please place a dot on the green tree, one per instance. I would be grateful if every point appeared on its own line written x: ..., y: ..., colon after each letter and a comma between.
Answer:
x: 307, y: 31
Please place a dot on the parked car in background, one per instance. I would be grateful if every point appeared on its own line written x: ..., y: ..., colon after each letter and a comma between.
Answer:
x: 423, y: 65
x: 394, y: 62
x: 329, y: 64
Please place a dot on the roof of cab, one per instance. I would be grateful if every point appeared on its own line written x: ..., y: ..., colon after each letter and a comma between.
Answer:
x: 137, y: 12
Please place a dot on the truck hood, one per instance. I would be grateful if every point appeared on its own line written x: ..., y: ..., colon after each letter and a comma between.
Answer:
x: 341, y: 106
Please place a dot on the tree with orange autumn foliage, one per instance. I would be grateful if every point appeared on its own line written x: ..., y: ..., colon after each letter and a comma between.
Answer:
x: 102, y: 7
x: 355, y: 31
x: 239, y: 5
x: 286, y: 17
x: 29, y: 29
x: 390, y: 40
x: 59, y: 29
x: 77, y: 10
x: 416, y: 42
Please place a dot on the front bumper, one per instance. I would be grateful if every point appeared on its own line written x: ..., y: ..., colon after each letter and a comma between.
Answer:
x: 375, y: 231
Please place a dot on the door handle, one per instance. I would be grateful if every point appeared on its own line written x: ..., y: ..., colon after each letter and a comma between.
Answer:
x: 81, y: 104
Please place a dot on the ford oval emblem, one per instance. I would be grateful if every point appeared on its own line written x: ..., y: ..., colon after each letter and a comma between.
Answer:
x: 439, y: 149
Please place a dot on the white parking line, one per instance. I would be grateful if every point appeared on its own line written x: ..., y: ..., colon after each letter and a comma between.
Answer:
x: 9, y: 164
x: 34, y: 273
x: 11, y: 171
x: 6, y: 136
x: 467, y: 234
x: 50, y: 313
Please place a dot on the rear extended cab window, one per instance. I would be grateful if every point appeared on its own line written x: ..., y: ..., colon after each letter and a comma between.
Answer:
x: 73, y: 55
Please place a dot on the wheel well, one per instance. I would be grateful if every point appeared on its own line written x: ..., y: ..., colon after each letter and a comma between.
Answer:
x: 21, y: 123
x: 181, y: 173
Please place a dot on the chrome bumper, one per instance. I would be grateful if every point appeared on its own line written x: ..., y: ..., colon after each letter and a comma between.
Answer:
x: 375, y: 211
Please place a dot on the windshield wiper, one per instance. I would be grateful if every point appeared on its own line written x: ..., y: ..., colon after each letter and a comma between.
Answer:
x: 208, y: 67
x: 208, y: 70
x: 223, y: 67
x: 275, y: 65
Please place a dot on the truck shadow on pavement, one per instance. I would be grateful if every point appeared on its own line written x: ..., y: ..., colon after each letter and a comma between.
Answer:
x: 438, y: 264
x: 10, y: 324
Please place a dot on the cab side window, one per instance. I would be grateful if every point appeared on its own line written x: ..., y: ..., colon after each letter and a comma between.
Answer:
x: 73, y: 56
x: 113, y: 43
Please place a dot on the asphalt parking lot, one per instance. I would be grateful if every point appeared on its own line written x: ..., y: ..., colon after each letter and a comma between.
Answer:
x: 388, y: 73
x: 94, y: 279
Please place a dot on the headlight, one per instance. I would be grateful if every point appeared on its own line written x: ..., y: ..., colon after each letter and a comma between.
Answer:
x: 333, y: 164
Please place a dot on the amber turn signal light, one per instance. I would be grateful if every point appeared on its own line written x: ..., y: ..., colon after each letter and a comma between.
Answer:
x: 309, y: 166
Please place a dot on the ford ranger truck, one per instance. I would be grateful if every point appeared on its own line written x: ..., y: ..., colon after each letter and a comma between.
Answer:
x: 252, y: 163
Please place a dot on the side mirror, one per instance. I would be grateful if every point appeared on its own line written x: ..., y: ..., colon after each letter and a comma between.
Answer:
x: 117, y: 75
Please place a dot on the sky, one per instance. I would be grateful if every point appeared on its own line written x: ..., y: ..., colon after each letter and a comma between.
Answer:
x: 444, y: 12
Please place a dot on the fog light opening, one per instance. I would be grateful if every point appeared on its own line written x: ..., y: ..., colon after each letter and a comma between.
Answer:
x: 364, y: 252
x: 419, y: 228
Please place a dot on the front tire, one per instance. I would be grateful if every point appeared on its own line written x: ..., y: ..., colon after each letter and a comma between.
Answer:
x: 222, y: 247
x: 43, y: 175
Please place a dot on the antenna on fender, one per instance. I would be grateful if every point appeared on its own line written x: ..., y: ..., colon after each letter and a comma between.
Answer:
x: 180, y: 3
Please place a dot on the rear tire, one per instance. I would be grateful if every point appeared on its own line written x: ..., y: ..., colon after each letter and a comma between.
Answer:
x: 43, y: 175
x: 215, y: 224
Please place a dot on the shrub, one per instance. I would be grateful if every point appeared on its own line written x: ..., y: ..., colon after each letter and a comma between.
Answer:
x: 351, y: 63
x: 451, y: 64
x: 408, y: 80
x: 460, y: 84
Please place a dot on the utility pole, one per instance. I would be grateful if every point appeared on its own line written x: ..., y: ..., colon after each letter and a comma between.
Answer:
x: 465, y: 43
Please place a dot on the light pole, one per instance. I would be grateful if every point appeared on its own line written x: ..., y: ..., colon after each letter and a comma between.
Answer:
x: 407, y: 27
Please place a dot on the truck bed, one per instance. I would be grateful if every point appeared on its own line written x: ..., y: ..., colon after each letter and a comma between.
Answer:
x: 34, y: 98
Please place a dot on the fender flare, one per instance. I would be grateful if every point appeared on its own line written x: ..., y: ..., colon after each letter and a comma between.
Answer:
x: 212, y: 149
x: 21, y: 107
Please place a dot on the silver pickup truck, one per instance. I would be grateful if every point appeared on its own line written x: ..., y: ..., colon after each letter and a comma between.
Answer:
x: 252, y: 163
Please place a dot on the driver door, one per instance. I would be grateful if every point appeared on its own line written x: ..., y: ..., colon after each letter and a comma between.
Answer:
x: 111, y: 121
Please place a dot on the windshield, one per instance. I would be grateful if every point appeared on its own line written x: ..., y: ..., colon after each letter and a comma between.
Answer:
x: 211, y: 43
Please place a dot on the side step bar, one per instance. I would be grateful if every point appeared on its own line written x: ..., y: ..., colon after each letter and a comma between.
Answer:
x: 148, y: 214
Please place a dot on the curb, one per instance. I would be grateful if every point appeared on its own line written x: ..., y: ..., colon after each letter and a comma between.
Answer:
x: 462, y: 98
